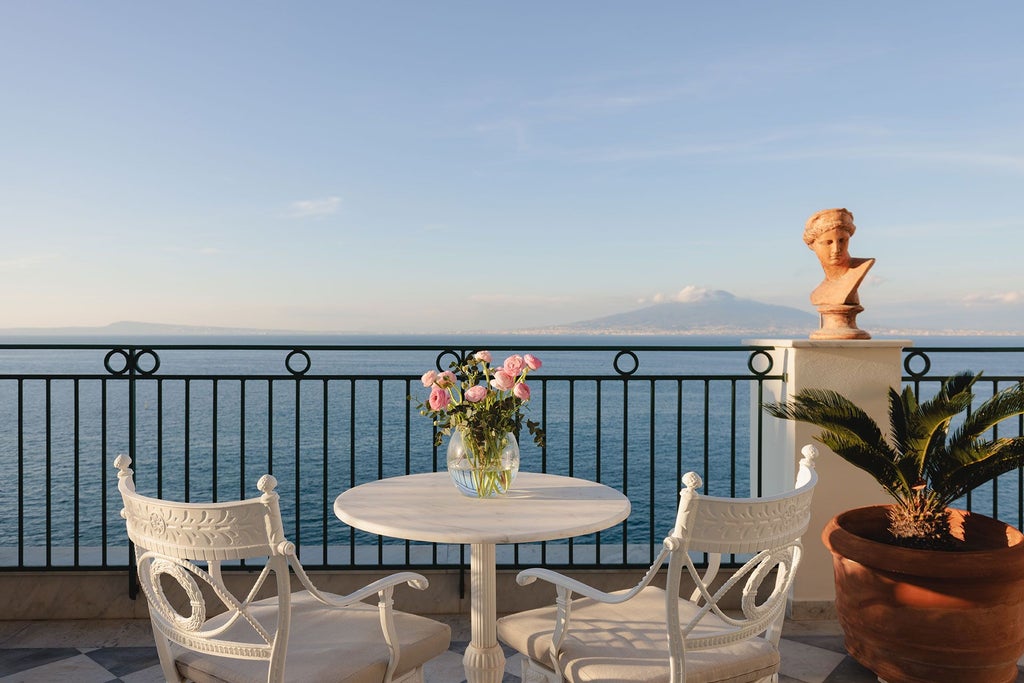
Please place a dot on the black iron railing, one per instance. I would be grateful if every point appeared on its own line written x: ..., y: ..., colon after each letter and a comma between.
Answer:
x: 203, y: 422
x: 1001, y: 367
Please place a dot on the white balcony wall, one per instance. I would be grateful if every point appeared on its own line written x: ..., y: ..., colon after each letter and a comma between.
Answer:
x: 861, y: 370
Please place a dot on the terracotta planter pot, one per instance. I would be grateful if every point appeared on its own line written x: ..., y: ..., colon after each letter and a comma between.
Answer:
x: 927, y: 616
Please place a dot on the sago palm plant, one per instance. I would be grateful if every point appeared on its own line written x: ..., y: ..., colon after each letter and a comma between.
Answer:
x: 922, y: 463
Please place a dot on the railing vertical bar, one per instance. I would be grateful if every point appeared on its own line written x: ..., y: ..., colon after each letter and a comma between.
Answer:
x: 270, y: 426
x: 380, y: 428
x: 995, y: 480
x: 49, y: 475
x: 352, y: 462
x: 242, y: 386
x: 103, y: 488
x: 159, y: 437
x: 298, y: 464
x: 187, y: 448
x: 572, y: 435
x: 1020, y: 473
x: 406, y: 429
x: 732, y: 445
x: 21, y: 472
x: 760, y: 439
x: 380, y: 454
x: 215, y: 389
x: 625, y: 458
x: 732, y: 442
x: 325, y: 503
x: 651, y: 524
x: 679, y: 436
x: 131, y: 366
x: 77, y: 473
x: 707, y: 431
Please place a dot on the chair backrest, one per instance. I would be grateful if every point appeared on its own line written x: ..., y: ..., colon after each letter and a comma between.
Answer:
x: 175, y: 540
x: 768, y: 530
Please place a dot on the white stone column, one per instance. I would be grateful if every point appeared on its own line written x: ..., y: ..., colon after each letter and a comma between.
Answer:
x: 861, y: 370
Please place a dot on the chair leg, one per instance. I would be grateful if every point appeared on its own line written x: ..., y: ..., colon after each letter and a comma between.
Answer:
x: 163, y: 651
x: 534, y: 672
x: 414, y: 676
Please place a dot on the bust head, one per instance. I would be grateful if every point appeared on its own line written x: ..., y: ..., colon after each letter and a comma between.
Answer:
x: 825, y: 220
x: 827, y: 233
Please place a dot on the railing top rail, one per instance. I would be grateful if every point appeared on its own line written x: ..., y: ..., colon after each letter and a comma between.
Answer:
x: 966, y: 349
x: 228, y: 346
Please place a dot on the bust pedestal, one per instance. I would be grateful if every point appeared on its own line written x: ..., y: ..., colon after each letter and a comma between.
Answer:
x: 839, y: 321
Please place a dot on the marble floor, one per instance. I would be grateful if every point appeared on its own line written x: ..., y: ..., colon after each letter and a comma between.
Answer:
x: 111, y: 652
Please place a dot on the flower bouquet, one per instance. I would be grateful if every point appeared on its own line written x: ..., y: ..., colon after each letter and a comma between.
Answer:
x: 479, y: 406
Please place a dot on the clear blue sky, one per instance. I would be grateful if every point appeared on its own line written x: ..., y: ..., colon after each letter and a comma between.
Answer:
x: 430, y: 166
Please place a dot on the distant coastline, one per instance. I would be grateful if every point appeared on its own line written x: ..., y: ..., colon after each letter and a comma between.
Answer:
x: 144, y: 329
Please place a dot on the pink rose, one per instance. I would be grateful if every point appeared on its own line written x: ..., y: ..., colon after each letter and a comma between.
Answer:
x: 485, y: 356
x: 503, y: 381
x: 439, y: 398
x: 532, y: 361
x: 514, y: 365
x: 521, y: 391
x: 445, y: 380
x: 476, y: 393
x: 428, y: 378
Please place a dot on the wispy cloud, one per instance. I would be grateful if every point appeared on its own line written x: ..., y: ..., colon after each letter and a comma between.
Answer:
x: 997, y: 299
x: 519, y: 300
x: 28, y: 261
x: 312, y: 208
x: 201, y: 251
x: 687, y: 294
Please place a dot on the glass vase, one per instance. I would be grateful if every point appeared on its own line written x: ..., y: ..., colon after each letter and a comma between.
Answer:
x: 488, y: 473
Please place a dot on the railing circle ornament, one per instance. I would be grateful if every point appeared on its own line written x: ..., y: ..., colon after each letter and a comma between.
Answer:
x: 131, y: 360
x: 926, y: 363
x: 757, y: 356
x: 297, y: 370
x: 623, y: 371
x: 150, y: 369
x: 124, y: 355
x: 456, y: 357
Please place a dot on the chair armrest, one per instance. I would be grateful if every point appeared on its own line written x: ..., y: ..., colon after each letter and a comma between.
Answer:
x: 528, y: 576
x: 377, y: 588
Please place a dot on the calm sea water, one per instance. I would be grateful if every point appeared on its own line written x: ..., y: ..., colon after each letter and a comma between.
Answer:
x: 215, y: 437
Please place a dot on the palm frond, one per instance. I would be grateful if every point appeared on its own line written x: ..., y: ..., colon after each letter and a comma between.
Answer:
x: 850, y: 432
x: 984, y: 462
x: 928, y: 422
x: 878, y: 462
x: 900, y: 406
x: 1003, y: 405
x: 833, y: 412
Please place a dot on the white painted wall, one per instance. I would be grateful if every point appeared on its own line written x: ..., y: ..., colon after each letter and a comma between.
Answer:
x: 861, y: 370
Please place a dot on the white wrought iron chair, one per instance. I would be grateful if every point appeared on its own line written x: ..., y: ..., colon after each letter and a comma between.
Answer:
x: 304, y: 636
x: 650, y: 634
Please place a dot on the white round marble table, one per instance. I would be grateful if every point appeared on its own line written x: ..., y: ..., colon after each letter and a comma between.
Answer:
x: 428, y: 507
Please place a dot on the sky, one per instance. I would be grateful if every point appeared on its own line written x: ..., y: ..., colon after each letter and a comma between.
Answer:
x: 450, y: 166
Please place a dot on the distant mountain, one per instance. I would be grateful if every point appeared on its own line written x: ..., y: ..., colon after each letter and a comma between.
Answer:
x: 704, y: 312
x: 128, y: 327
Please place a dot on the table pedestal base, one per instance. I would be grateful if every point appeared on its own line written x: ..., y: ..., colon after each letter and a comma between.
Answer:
x: 484, y: 659
x: 484, y: 665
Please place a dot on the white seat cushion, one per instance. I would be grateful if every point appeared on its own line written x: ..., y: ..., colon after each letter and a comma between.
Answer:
x: 323, y: 645
x: 628, y: 642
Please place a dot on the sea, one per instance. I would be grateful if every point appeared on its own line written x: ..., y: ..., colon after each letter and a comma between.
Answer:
x: 243, y: 414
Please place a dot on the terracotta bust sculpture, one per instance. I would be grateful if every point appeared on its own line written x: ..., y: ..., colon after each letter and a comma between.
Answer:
x: 827, y: 233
